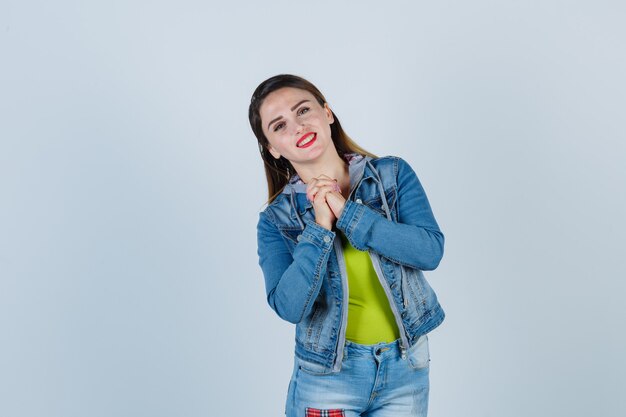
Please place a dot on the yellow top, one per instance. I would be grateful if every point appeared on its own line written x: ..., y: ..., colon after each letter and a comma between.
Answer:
x: 370, y: 319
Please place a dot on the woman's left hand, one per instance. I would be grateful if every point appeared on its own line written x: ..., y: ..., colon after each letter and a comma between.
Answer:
x: 336, y: 202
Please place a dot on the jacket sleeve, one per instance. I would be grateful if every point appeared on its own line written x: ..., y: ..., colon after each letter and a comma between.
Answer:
x: 414, y: 241
x: 292, y: 282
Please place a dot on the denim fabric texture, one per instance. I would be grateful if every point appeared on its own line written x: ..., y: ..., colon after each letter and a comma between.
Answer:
x: 387, y: 214
x: 374, y: 381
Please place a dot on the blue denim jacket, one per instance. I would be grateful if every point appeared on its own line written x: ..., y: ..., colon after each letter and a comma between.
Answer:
x: 387, y: 214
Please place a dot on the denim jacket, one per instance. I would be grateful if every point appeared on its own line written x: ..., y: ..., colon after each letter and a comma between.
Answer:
x: 387, y: 214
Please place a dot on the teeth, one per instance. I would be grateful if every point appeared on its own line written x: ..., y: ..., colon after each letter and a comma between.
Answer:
x: 304, y: 142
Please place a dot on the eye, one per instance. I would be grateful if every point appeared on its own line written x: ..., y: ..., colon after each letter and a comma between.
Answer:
x: 302, y: 110
x: 278, y: 126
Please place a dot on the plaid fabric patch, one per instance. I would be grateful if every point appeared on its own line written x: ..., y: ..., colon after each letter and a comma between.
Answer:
x: 314, y: 412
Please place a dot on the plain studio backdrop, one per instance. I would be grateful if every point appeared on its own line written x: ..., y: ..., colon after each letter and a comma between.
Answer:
x: 130, y: 187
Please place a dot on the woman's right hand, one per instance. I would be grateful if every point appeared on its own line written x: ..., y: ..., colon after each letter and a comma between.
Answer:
x: 323, y: 214
x: 316, y: 191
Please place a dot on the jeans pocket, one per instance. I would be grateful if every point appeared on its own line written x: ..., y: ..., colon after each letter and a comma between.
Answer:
x: 312, y: 368
x: 418, y: 355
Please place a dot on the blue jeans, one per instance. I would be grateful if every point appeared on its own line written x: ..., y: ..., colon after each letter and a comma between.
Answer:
x: 374, y: 381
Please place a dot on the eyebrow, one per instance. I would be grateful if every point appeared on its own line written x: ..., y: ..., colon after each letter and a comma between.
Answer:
x: 292, y: 109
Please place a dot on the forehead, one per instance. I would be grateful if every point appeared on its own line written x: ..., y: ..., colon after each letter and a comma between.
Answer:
x: 279, y: 102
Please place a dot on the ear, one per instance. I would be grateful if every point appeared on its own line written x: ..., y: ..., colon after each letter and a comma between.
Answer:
x: 273, y: 151
x: 329, y: 114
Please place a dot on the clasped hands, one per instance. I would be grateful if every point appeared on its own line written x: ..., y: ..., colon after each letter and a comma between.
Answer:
x: 328, y: 202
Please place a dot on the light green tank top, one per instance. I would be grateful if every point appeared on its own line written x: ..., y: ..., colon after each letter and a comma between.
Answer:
x: 370, y: 319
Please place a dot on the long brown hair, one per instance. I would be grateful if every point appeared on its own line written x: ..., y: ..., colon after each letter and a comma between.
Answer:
x: 279, y: 171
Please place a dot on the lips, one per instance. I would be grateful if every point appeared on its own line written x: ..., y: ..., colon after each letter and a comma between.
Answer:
x: 306, y: 140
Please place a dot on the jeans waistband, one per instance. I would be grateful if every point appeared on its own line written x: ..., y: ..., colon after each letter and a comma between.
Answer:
x: 356, y: 349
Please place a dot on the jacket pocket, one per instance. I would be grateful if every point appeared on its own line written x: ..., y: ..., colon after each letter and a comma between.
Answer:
x: 376, y: 202
x: 291, y: 235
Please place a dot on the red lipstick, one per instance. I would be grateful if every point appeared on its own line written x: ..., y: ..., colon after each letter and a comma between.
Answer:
x: 305, y: 137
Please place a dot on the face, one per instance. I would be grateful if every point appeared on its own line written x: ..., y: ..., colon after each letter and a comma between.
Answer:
x: 296, y: 126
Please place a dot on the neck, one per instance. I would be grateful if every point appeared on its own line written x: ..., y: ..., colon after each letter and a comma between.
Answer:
x: 333, y: 166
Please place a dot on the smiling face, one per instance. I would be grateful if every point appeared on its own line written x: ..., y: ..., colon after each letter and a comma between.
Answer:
x: 296, y: 126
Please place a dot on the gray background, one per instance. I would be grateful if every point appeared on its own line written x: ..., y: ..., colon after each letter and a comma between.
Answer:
x: 130, y: 185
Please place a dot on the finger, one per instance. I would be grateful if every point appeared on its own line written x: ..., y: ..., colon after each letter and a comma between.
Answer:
x: 336, y: 202
x: 332, y: 183
x: 335, y: 197
x: 321, y: 193
x: 323, y: 176
x: 311, y: 193
x: 313, y: 187
x: 326, y: 177
x: 321, y: 206
x: 323, y: 182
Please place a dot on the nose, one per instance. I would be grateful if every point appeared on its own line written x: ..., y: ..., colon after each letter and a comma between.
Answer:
x: 299, y: 128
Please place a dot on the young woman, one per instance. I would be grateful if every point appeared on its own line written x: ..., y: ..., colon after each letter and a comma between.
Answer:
x: 342, y: 245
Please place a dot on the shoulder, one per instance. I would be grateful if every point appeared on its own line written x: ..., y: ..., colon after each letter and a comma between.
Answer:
x: 390, y: 165
x: 266, y: 223
x: 279, y: 204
